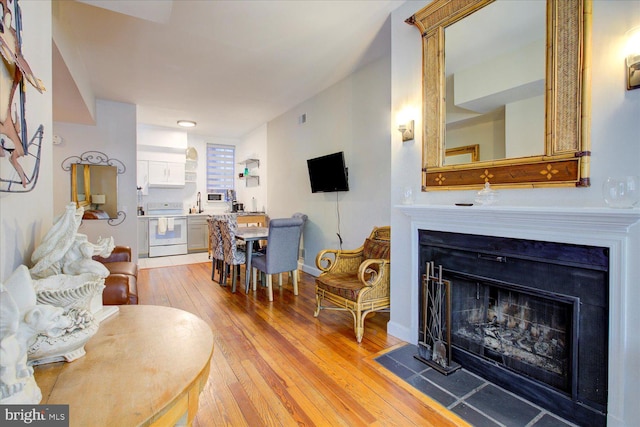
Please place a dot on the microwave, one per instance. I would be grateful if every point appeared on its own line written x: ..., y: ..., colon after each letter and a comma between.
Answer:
x: 215, y: 197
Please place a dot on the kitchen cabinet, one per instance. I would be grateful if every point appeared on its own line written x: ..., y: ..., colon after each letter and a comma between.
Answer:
x: 166, y: 174
x: 197, y: 233
x: 143, y: 237
x: 143, y: 176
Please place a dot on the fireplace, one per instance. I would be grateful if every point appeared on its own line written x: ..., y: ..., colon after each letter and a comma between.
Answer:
x: 530, y: 316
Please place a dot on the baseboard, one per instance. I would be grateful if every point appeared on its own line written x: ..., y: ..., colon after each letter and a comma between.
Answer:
x: 311, y: 270
x: 400, y: 331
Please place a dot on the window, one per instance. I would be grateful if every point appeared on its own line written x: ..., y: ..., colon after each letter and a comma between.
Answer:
x: 220, y: 168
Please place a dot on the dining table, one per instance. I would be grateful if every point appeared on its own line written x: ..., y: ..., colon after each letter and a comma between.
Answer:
x: 250, y: 235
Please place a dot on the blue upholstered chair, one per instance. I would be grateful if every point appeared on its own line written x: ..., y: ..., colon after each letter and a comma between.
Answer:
x: 283, y: 245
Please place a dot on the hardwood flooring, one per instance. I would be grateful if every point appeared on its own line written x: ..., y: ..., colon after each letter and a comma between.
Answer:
x: 274, y: 364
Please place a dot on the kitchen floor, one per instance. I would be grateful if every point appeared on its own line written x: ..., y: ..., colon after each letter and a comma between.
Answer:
x: 167, y: 261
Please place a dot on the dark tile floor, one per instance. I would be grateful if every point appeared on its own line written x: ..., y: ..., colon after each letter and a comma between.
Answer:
x: 472, y: 398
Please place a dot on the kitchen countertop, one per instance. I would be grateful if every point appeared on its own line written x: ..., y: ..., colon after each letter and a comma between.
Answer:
x: 203, y: 214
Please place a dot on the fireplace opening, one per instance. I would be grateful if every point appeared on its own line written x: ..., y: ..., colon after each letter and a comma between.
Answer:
x: 530, y: 316
x: 526, y: 332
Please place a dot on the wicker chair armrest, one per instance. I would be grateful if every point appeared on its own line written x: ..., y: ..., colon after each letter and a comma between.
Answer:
x: 339, y: 261
x: 371, y: 271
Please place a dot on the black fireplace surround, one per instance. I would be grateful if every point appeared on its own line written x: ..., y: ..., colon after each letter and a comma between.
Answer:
x: 529, y: 316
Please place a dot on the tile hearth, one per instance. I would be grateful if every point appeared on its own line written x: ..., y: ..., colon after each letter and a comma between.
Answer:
x: 472, y: 398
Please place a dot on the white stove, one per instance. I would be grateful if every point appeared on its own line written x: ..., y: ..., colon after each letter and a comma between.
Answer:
x: 167, y: 229
x: 165, y: 209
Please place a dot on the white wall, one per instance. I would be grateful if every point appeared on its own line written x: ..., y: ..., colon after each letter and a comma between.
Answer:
x: 488, y: 134
x: 26, y: 217
x: 351, y: 116
x: 253, y: 146
x: 114, y: 135
x: 524, y: 127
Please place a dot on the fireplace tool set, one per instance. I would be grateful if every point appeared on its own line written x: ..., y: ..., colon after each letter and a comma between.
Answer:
x: 435, y: 347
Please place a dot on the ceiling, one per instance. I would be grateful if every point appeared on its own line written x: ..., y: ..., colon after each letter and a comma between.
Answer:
x: 231, y: 66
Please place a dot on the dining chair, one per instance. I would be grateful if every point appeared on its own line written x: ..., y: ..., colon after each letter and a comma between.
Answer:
x: 215, y: 242
x: 283, y: 246
x: 234, y: 255
x: 304, y: 221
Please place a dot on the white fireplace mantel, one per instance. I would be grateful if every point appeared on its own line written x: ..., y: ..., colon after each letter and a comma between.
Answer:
x: 616, y: 229
x: 564, y: 220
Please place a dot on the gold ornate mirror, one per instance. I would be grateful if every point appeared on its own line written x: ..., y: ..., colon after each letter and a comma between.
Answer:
x: 524, y: 107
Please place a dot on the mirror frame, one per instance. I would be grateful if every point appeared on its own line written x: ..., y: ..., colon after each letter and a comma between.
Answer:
x: 85, y: 160
x: 473, y: 151
x: 566, y: 159
x: 86, y: 174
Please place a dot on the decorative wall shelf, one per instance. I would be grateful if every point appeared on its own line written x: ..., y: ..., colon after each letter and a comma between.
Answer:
x: 250, y: 179
x: 250, y: 163
x: 253, y: 179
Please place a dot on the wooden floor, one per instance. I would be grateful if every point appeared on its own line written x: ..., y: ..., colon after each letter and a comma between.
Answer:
x: 274, y: 364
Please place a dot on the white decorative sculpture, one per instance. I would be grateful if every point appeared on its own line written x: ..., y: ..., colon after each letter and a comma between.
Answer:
x: 50, y: 333
x: 55, y: 244
x: 74, y: 294
x: 21, y: 321
x: 47, y: 313
x: 65, y: 252
x: 17, y: 385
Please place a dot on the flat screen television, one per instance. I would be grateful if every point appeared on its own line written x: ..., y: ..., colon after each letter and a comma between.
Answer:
x: 328, y: 173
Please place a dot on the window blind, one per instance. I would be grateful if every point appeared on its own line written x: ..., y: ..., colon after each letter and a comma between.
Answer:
x: 220, y: 168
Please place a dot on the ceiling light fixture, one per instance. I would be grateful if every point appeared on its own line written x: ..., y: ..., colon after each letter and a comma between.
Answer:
x: 186, y: 123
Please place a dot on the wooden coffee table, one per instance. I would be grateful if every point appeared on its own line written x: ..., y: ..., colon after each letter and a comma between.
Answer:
x: 145, y: 366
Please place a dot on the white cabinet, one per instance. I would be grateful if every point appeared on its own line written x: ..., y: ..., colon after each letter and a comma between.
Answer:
x: 143, y: 176
x: 143, y: 237
x: 166, y: 174
x: 197, y: 233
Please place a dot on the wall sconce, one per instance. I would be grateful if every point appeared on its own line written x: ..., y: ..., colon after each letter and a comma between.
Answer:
x: 406, y: 130
x: 633, y: 58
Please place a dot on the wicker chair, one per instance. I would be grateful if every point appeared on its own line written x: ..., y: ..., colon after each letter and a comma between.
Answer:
x: 356, y: 280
